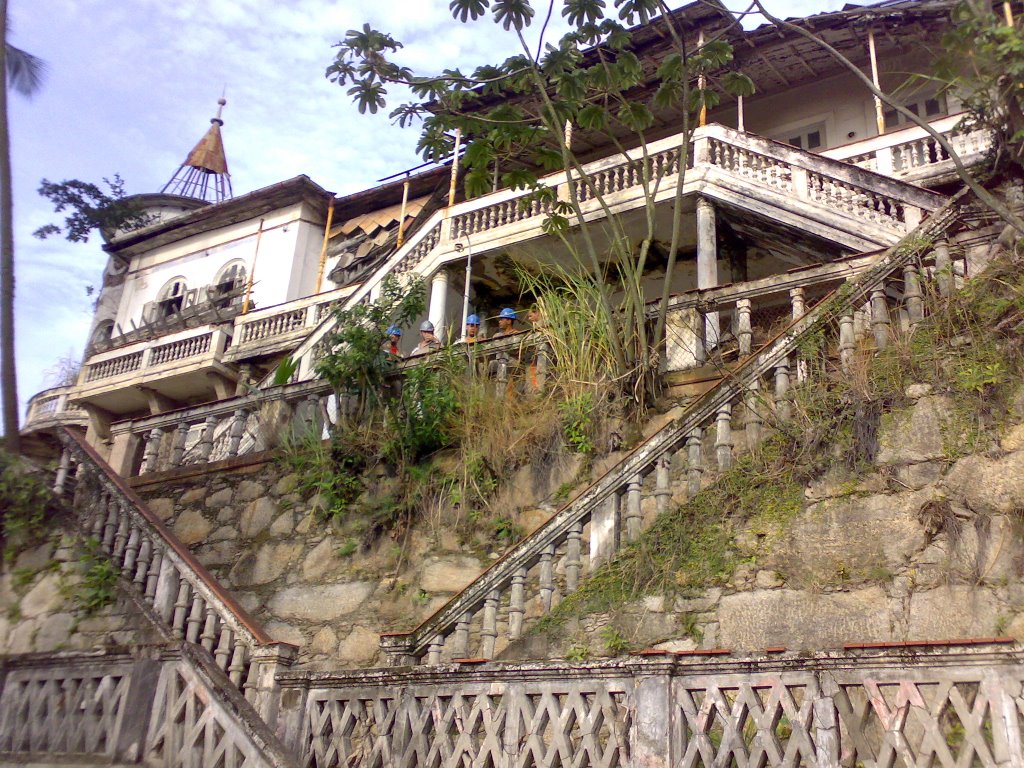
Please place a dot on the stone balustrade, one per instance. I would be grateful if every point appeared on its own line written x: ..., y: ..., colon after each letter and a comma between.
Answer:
x: 164, y: 706
x: 51, y: 408
x: 912, y: 153
x: 274, y: 329
x: 587, y: 532
x: 251, y: 423
x: 931, y: 704
x: 180, y: 593
x: 856, y: 207
x: 153, y: 359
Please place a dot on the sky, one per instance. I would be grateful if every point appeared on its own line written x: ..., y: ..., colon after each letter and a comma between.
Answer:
x: 131, y: 86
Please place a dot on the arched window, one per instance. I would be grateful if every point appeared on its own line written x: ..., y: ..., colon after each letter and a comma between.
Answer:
x: 230, y: 280
x: 102, y: 333
x: 171, y: 298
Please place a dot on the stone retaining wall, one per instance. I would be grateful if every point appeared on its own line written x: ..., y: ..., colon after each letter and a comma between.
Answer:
x: 312, y: 582
x: 924, y: 547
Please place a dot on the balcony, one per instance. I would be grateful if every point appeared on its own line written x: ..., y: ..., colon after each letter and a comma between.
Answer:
x: 278, y: 328
x: 184, y: 367
x: 913, y: 155
x: 51, y: 408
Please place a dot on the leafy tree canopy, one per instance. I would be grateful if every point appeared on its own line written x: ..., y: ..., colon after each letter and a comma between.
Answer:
x: 90, y: 208
x: 513, y: 112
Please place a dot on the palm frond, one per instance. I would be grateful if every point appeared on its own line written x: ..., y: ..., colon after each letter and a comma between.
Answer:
x: 25, y: 72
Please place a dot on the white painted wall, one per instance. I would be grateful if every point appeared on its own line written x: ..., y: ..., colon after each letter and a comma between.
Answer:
x: 285, y: 267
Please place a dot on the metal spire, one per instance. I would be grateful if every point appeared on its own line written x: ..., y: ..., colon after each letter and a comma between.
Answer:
x: 204, y: 174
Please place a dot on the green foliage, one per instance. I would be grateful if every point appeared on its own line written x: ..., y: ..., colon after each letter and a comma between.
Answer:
x: 330, y: 470
x: 354, y: 360
x: 578, y: 422
x: 91, y: 209
x: 27, y: 503
x: 692, y: 547
x: 284, y: 371
x: 983, y: 65
x: 614, y: 643
x: 348, y: 548
x: 577, y: 653
x: 99, y: 579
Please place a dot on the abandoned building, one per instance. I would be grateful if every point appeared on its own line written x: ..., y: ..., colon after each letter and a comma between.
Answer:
x: 247, y: 631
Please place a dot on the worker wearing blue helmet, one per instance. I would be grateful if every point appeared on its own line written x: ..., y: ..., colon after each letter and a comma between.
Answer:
x: 506, y: 322
x: 394, y: 337
x: 472, y: 329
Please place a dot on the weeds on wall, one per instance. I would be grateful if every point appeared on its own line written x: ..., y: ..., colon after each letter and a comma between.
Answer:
x: 98, y: 586
x: 27, y: 505
x: 970, y: 347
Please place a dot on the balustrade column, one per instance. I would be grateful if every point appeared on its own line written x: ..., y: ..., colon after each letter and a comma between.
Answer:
x: 178, y: 449
x: 723, y: 437
x: 943, y: 268
x: 238, y: 420
x: 438, y: 303
x: 695, y: 466
x: 152, y: 452
x: 434, y: 650
x: 744, y: 332
x: 912, y: 296
x: 633, y: 513
x: 707, y: 262
x: 880, y: 318
x: 663, y: 484
x: 460, y: 647
x: 847, y: 341
x: 62, y: 472
x: 782, y: 404
x: 206, y: 441
x: 604, y: 530
x: 573, y: 561
x: 489, y: 626
x: 516, y: 604
x: 753, y: 419
x: 798, y: 302
x: 547, y: 576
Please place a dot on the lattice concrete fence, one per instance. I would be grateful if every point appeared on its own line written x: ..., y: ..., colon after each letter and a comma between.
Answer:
x: 156, y: 706
x: 874, y: 710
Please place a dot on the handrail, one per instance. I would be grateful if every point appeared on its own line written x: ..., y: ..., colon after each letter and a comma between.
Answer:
x: 672, y: 436
x: 180, y: 555
x: 867, y: 191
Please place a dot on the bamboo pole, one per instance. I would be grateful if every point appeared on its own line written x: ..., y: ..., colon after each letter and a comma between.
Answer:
x: 739, y: 114
x: 401, y: 215
x: 702, y: 83
x: 455, y: 167
x: 323, y: 248
x: 1008, y: 13
x: 252, y: 272
x: 879, y: 109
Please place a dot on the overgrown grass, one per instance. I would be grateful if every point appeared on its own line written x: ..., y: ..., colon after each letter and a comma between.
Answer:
x: 693, y: 546
x: 970, y: 348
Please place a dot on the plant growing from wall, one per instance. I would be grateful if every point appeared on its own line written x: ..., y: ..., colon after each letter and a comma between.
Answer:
x: 27, y: 505
x: 514, y: 114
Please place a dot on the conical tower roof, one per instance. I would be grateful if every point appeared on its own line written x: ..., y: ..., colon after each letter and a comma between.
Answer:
x: 204, y: 174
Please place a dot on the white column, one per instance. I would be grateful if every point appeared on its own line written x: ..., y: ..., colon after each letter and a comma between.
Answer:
x: 438, y: 301
x: 707, y: 261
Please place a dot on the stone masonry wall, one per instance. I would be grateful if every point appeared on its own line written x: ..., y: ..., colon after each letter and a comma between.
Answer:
x: 38, y: 610
x: 925, y: 547
x: 312, y: 582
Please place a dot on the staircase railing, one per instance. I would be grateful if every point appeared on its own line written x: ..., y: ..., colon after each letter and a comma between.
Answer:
x: 874, y: 210
x: 178, y: 590
x: 492, y: 610
x: 158, y: 705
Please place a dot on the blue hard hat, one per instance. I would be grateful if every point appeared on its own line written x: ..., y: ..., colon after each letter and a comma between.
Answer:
x: 473, y: 320
x: 394, y: 330
x: 508, y: 312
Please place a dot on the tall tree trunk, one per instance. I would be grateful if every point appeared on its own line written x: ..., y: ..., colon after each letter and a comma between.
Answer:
x: 8, y: 376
